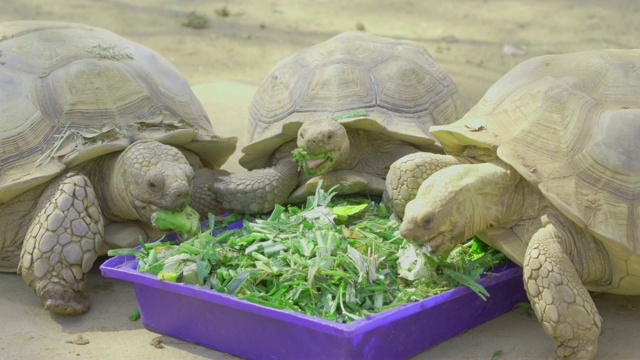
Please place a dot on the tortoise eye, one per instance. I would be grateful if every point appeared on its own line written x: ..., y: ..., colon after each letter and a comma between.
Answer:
x: 426, y: 221
x: 155, y: 180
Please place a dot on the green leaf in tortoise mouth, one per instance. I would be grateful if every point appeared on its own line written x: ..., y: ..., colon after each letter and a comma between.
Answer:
x: 186, y: 221
x: 300, y: 158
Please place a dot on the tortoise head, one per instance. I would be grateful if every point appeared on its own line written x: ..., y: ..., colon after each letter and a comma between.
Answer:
x: 444, y: 211
x: 322, y: 143
x: 155, y: 176
x: 457, y: 202
x: 430, y: 218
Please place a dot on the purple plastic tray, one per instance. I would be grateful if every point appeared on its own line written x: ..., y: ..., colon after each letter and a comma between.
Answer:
x: 238, y: 327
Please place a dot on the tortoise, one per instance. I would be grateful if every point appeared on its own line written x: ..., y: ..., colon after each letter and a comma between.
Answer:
x: 351, y: 105
x: 548, y: 173
x: 95, y: 132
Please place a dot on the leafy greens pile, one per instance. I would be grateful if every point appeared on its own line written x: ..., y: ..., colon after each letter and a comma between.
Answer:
x: 338, y: 259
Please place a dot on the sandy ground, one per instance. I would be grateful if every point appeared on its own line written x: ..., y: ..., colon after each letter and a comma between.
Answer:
x: 474, y: 41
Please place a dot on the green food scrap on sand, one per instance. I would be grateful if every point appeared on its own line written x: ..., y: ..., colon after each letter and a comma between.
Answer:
x: 333, y: 258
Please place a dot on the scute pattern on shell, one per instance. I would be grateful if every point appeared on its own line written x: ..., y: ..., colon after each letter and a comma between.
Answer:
x: 96, y: 91
x: 588, y: 161
x: 401, y: 88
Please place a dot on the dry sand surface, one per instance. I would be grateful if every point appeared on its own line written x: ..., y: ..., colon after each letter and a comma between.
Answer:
x: 474, y: 41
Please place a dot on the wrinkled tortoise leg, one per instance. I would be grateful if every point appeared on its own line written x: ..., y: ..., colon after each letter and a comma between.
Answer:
x: 248, y: 192
x: 350, y: 181
x: 61, y: 244
x: 203, y: 193
x: 407, y: 174
x: 557, y: 294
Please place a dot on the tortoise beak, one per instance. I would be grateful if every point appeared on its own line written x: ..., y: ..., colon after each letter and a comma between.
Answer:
x: 175, y: 198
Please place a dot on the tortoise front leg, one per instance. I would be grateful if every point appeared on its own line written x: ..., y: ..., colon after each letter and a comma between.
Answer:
x: 409, y: 172
x: 556, y: 291
x: 62, y: 244
x: 248, y: 192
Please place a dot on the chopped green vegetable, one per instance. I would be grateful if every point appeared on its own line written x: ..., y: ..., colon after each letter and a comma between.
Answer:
x: 168, y: 276
x: 336, y: 258
x: 186, y: 222
x: 344, y: 212
x: 135, y: 315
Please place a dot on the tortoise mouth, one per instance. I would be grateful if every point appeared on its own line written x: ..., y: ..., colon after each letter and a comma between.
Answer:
x: 320, y: 166
x: 185, y: 221
x: 443, y: 243
x: 437, y: 245
x: 147, y: 211
x: 314, y: 164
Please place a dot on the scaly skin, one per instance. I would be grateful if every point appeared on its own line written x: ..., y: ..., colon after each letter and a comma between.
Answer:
x: 67, y: 232
x: 250, y: 192
x: 407, y: 173
x: 62, y: 243
x: 560, y: 258
x: 145, y: 175
x: 554, y: 287
x: 203, y: 195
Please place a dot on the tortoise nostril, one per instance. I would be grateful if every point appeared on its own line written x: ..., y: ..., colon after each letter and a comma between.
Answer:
x: 181, y: 201
x: 179, y: 195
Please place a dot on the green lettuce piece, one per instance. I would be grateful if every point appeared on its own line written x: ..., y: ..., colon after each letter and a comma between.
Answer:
x: 185, y: 222
x: 344, y: 212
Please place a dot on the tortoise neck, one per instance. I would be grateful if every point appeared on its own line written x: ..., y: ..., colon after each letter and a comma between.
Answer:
x: 515, y: 199
x: 112, y: 192
x: 349, y: 158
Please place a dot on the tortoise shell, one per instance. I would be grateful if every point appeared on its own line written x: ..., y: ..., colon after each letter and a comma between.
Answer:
x: 569, y: 124
x: 70, y: 93
x: 360, y: 80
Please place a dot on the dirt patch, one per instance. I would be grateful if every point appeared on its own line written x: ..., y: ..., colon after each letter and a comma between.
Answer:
x: 79, y: 340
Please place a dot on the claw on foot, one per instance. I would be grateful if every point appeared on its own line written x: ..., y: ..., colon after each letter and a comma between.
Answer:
x: 64, y: 301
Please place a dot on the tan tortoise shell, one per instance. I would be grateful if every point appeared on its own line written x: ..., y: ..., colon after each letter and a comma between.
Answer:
x: 393, y: 86
x: 569, y: 124
x: 70, y: 93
